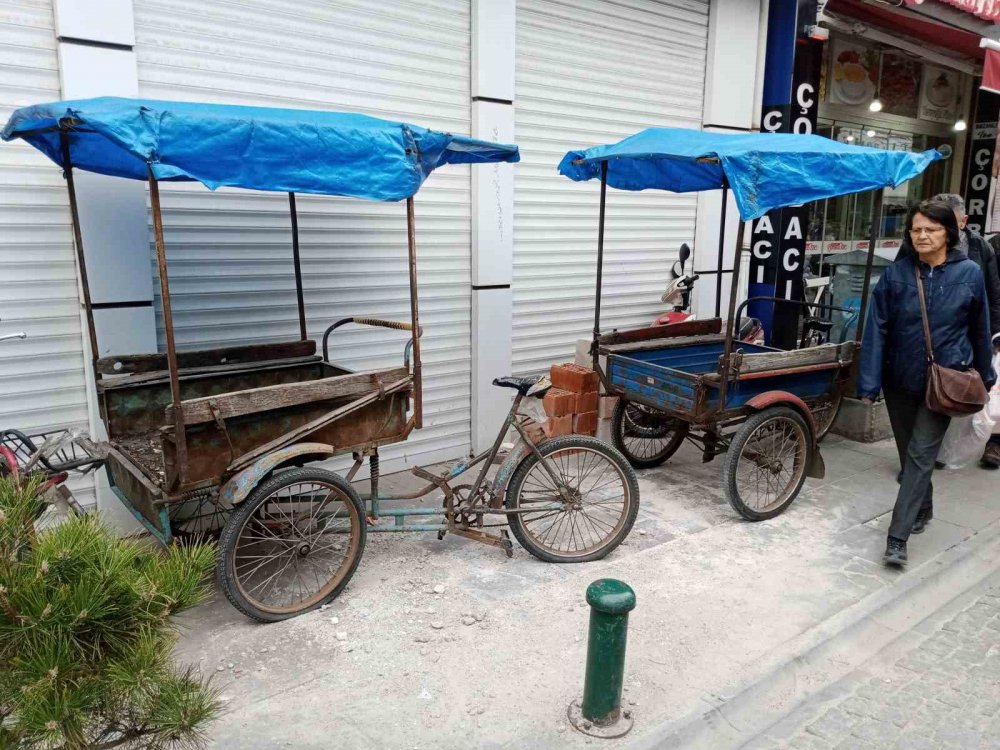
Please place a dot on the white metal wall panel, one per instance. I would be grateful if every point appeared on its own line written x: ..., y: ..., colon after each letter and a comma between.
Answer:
x: 42, y: 383
x: 592, y: 72
x: 229, y: 252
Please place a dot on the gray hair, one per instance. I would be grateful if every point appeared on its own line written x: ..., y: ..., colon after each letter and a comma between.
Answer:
x: 955, y: 201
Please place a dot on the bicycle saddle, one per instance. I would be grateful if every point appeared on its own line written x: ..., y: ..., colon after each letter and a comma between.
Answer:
x: 537, y: 386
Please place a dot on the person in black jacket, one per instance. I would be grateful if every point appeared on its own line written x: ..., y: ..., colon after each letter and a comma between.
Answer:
x: 894, y: 354
x: 985, y: 255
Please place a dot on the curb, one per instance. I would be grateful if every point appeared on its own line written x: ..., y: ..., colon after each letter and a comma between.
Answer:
x: 795, y: 671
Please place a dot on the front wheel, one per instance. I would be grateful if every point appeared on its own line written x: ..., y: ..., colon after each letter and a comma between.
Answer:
x: 645, y: 436
x: 766, y: 463
x: 292, y: 545
x: 592, y: 514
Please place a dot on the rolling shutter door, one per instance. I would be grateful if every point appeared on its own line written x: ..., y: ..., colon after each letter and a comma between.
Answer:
x: 42, y: 382
x: 229, y: 252
x: 592, y: 72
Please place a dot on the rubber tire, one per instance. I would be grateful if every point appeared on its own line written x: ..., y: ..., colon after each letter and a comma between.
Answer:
x: 736, y: 447
x: 224, y: 572
x: 551, y: 446
x: 823, y: 430
x: 649, y: 462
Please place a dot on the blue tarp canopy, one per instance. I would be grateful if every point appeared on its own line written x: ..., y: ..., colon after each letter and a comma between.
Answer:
x: 287, y: 150
x: 764, y: 170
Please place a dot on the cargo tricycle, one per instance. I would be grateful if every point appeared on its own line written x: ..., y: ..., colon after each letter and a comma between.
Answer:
x: 229, y: 439
x: 762, y: 407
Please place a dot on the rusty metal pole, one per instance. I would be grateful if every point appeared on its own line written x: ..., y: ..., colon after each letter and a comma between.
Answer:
x: 722, y: 247
x: 600, y: 713
x: 180, y: 438
x: 873, y: 233
x: 600, y: 268
x: 731, y: 331
x: 298, y: 266
x: 81, y: 259
x: 411, y: 242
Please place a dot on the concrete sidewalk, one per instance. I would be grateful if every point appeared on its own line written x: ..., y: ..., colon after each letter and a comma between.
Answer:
x: 736, y: 622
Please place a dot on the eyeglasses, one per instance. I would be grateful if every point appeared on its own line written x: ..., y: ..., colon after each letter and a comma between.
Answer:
x: 926, y: 230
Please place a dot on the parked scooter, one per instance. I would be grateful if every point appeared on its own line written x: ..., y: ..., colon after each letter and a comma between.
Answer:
x: 678, y: 295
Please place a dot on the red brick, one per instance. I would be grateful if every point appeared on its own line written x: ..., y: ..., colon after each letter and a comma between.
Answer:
x: 585, y: 402
x: 585, y: 424
x: 574, y: 377
x: 607, y: 405
x: 556, y: 426
x: 558, y: 403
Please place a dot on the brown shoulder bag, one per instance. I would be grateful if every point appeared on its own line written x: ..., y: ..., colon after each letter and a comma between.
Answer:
x: 954, y: 393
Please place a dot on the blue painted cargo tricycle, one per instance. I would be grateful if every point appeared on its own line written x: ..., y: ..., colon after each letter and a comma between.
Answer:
x: 762, y: 407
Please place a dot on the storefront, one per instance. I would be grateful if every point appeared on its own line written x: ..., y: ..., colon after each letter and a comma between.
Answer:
x: 881, y: 95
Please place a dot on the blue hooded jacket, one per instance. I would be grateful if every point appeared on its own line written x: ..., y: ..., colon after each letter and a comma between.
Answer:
x: 893, y: 353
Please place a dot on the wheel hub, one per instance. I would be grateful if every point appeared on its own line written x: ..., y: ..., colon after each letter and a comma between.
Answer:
x: 304, y: 549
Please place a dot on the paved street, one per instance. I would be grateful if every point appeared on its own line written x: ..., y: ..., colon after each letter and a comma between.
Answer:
x: 722, y: 605
x: 941, y: 693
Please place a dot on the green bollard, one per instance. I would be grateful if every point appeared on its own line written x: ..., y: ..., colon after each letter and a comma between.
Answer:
x: 600, y: 713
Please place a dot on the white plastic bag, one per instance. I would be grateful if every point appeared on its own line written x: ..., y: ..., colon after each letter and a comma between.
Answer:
x: 965, y: 439
x: 993, y: 407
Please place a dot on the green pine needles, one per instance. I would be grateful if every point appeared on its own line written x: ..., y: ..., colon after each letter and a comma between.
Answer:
x: 86, y: 635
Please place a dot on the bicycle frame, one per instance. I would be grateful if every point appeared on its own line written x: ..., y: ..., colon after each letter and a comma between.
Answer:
x: 453, y: 504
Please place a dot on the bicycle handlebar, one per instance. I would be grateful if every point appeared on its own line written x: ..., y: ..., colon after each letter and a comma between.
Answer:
x: 360, y: 320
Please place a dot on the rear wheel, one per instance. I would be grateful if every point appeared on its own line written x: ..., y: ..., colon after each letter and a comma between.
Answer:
x: 590, y: 517
x: 645, y: 436
x: 766, y: 463
x: 292, y: 545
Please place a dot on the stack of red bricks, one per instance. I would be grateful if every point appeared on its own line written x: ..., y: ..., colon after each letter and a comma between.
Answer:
x: 571, y: 403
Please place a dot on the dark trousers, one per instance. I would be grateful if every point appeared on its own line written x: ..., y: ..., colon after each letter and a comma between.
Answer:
x: 918, y: 432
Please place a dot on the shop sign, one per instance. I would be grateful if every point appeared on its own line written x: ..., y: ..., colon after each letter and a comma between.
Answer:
x: 939, y: 93
x: 981, y: 154
x: 985, y: 9
x: 778, y: 246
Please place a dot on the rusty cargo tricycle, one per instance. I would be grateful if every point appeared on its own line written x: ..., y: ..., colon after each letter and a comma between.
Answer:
x: 227, y: 439
x: 765, y: 408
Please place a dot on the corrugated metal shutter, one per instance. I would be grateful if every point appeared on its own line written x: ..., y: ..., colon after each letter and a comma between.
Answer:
x: 42, y: 384
x: 230, y: 251
x: 591, y: 72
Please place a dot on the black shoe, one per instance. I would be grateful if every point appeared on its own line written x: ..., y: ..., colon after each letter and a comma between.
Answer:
x: 939, y: 465
x: 899, y: 477
x: 895, y: 552
x: 923, y: 516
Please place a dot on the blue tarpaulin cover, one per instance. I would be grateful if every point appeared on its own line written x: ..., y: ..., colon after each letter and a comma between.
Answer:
x: 261, y: 148
x: 764, y: 170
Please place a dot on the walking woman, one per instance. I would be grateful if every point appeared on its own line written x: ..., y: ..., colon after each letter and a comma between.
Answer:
x: 894, y: 355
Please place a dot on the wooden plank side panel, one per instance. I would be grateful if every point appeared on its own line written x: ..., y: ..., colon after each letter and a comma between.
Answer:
x: 667, y: 389
x: 140, y: 363
x: 209, y: 447
x: 253, y: 400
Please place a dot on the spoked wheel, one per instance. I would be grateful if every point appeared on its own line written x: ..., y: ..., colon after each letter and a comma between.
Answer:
x: 292, y: 545
x: 202, y: 517
x: 596, y: 508
x: 766, y: 463
x: 645, y: 436
x: 825, y: 412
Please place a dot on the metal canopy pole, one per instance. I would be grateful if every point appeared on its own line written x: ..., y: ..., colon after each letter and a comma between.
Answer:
x: 600, y: 266
x: 722, y: 246
x: 180, y: 438
x: 411, y: 241
x: 874, y: 231
x: 298, y: 266
x: 731, y: 332
x: 81, y: 260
